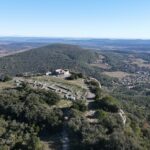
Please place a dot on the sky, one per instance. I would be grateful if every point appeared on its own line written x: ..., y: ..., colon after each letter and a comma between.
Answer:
x: 76, y: 18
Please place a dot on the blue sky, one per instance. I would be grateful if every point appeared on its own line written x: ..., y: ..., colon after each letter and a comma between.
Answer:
x: 76, y: 18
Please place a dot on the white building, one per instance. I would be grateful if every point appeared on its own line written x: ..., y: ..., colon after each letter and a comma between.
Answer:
x: 61, y: 72
x: 48, y: 73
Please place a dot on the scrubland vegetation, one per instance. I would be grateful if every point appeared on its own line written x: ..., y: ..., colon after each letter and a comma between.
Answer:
x: 26, y: 113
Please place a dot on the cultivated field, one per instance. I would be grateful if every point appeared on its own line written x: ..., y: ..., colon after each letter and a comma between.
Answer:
x: 140, y: 62
x: 117, y: 74
x: 100, y: 63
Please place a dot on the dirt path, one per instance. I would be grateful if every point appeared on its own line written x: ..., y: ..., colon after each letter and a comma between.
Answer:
x: 51, y: 141
x: 64, y: 139
x: 56, y: 141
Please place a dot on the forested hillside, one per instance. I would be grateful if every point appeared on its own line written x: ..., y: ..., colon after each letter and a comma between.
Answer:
x: 47, y: 58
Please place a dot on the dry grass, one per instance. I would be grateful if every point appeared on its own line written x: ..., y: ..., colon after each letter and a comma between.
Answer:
x: 75, y: 83
x: 5, y: 85
x: 64, y: 104
x: 78, y: 82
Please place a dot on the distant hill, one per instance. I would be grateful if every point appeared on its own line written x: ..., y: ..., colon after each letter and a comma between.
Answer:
x: 99, y: 44
x: 8, y: 48
x: 47, y: 58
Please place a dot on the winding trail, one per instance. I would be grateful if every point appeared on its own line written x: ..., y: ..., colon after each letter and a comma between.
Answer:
x: 64, y: 138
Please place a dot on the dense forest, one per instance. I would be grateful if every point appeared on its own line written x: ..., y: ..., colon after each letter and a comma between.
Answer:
x: 24, y: 114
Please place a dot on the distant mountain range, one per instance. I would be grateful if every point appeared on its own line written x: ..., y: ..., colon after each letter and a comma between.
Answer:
x: 106, y: 44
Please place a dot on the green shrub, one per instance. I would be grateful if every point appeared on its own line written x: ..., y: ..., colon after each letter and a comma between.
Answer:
x: 107, y: 103
x: 80, y: 105
x: 100, y: 114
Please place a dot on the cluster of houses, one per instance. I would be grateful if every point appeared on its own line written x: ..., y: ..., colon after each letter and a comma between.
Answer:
x: 133, y: 80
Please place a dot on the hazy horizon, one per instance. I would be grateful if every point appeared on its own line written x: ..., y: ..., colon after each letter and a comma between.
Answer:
x: 69, y: 38
x: 113, y: 19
